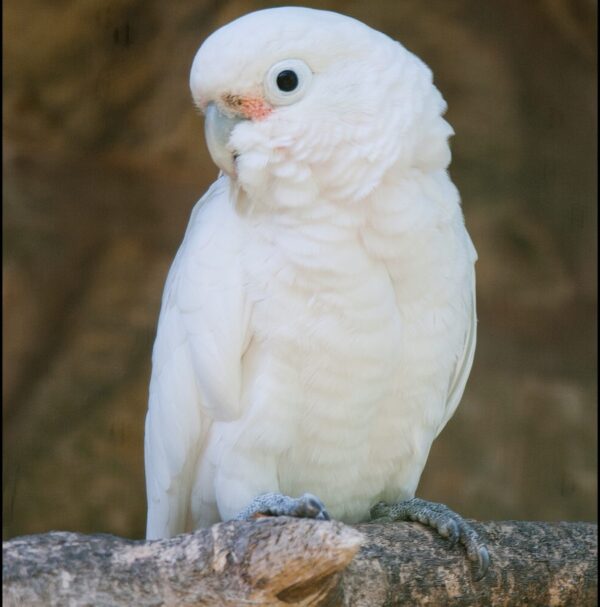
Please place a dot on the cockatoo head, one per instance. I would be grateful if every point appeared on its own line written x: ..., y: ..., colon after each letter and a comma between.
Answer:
x: 302, y: 104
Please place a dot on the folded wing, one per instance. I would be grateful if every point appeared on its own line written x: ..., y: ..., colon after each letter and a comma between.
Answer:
x: 196, y: 361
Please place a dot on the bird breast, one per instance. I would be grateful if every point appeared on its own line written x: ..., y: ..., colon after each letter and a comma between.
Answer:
x: 353, y: 342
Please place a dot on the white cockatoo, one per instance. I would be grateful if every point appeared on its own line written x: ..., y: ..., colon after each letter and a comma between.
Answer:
x: 318, y: 323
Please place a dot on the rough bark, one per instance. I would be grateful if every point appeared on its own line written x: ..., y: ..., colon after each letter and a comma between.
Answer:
x: 283, y: 561
x: 532, y: 563
x: 271, y: 561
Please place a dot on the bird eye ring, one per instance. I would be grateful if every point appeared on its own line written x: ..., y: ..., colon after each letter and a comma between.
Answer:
x: 287, y: 81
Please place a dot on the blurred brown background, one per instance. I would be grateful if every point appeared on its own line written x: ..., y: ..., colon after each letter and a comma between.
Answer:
x: 104, y: 157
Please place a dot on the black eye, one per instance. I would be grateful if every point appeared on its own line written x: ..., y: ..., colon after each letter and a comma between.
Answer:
x: 287, y: 81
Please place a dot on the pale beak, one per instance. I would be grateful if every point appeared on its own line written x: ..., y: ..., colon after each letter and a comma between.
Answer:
x: 217, y: 130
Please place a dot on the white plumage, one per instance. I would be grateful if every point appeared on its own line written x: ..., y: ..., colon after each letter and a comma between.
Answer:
x: 318, y: 323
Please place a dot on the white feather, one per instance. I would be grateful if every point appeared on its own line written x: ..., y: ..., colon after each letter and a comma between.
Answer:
x: 318, y: 324
x: 196, y: 359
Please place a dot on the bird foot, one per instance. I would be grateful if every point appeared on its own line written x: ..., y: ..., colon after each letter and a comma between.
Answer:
x: 276, y: 504
x: 445, y: 521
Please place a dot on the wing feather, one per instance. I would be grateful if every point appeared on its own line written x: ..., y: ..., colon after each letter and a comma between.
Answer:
x: 464, y: 363
x: 196, y: 360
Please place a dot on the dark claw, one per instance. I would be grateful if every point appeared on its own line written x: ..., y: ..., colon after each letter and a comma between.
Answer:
x: 451, y: 531
x: 483, y: 561
x: 313, y: 507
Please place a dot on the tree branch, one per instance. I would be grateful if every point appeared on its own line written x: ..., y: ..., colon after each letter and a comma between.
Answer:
x: 281, y: 561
